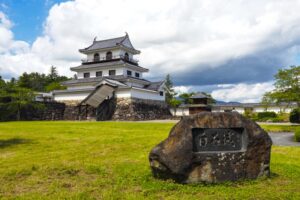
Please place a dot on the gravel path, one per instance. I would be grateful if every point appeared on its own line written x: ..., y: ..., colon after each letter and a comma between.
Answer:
x: 283, y: 139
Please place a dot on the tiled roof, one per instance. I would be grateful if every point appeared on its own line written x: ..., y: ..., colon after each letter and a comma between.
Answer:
x: 154, y: 85
x: 98, y: 79
x: 199, y: 95
x: 106, y: 64
x: 110, y: 43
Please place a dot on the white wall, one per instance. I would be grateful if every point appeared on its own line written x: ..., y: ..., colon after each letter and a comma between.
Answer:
x: 105, y: 72
x: 121, y: 93
x: 140, y: 94
x: 71, y: 97
x: 133, y: 72
x: 102, y: 54
x: 276, y: 109
x: 81, y: 87
x: 180, y: 112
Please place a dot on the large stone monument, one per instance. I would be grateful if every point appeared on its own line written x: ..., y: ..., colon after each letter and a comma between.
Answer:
x: 212, y: 147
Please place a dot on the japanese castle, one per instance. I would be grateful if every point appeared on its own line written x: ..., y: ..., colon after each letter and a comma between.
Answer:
x: 109, y: 70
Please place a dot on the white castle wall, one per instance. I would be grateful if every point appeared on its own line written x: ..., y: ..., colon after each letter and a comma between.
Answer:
x: 123, y: 93
x: 105, y: 72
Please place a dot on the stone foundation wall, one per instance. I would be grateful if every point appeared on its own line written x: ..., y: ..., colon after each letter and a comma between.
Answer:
x: 120, y: 109
x: 138, y: 109
x: 52, y: 111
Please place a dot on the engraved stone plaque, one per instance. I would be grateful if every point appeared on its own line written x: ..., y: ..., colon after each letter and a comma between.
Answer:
x: 217, y: 139
x: 212, y: 147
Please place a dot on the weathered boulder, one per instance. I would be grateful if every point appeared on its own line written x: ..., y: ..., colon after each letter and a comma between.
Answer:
x: 212, y: 147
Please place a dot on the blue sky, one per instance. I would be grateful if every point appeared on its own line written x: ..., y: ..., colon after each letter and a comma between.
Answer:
x: 28, y: 16
x: 231, y: 49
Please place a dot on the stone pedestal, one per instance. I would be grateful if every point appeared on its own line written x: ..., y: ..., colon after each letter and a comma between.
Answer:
x: 212, y: 147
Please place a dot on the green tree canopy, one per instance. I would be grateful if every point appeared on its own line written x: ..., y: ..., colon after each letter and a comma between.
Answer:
x: 41, y: 82
x: 13, y: 99
x: 170, y: 93
x: 186, y: 97
x: 287, y: 87
x: 54, y: 86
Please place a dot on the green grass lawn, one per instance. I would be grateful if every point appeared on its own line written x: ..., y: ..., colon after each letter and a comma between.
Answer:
x: 280, y: 128
x: 109, y: 160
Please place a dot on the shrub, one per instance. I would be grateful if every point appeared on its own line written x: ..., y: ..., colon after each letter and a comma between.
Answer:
x: 266, y: 116
x: 283, y: 117
x: 295, y: 116
x: 297, y: 135
x: 262, y: 115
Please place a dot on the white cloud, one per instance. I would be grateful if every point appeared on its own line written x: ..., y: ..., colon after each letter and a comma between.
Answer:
x: 175, y: 36
x: 182, y: 89
x: 245, y: 93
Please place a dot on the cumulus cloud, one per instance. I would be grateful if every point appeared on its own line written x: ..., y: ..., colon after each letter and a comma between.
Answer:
x: 245, y: 93
x: 199, y: 42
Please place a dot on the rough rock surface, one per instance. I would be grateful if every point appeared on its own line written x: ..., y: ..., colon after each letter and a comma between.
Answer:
x: 133, y: 109
x: 177, y: 159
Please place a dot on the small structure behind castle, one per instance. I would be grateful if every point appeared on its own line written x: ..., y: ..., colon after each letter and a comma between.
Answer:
x: 110, y: 85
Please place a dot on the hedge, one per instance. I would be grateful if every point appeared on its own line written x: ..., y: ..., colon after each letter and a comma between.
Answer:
x: 295, y: 116
x: 297, y: 135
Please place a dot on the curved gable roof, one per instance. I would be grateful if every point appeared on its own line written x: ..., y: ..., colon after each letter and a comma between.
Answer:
x: 110, y: 43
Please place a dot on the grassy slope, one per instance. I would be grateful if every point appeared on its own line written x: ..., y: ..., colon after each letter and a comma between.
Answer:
x: 109, y: 160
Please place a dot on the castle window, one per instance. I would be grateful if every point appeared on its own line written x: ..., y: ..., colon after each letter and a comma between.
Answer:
x: 109, y: 55
x: 129, y: 73
x: 161, y: 93
x: 86, y: 75
x: 112, y: 72
x: 99, y: 73
x: 126, y: 56
x: 96, y: 57
x: 137, y: 75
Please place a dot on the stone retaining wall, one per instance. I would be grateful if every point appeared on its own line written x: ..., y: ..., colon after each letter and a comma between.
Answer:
x: 123, y: 109
x: 138, y: 109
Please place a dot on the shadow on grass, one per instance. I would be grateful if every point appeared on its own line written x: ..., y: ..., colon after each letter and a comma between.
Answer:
x: 12, y: 142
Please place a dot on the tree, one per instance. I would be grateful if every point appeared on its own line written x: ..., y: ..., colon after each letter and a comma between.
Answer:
x: 186, y: 97
x: 2, y: 82
x: 13, y: 100
x: 287, y: 87
x: 170, y: 93
x: 41, y: 82
x: 53, y: 75
x: 34, y: 81
x: 174, y: 103
x: 55, y: 86
x: 19, y: 99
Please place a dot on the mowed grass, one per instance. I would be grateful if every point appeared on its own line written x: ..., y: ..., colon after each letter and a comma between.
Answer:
x: 109, y: 160
x: 280, y: 128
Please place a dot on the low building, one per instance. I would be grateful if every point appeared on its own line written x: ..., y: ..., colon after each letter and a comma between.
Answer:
x: 254, y: 107
x: 201, y: 102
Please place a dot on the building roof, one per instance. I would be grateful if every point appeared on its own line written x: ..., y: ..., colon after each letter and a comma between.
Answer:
x: 123, y: 41
x: 251, y: 105
x: 154, y: 85
x: 194, y: 106
x: 199, y: 95
x: 108, y: 64
x: 118, y: 80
